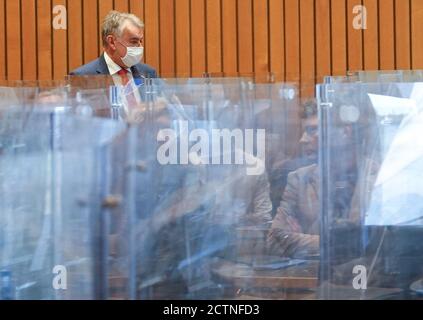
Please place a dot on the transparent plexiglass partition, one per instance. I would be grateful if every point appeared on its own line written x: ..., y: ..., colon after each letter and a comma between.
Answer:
x: 200, y: 158
x: 52, y: 195
x: 371, y: 191
x: 25, y: 92
x: 193, y: 195
x: 377, y: 76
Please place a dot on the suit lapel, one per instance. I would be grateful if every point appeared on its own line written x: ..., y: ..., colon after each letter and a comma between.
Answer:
x: 135, y: 72
x: 102, y: 66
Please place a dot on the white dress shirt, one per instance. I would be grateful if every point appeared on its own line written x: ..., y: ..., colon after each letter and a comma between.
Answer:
x: 114, y: 68
x: 130, y: 88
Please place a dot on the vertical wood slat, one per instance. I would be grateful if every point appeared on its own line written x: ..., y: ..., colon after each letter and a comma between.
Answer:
x: 152, y: 45
x: 44, y: 22
x: 323, y: 45
x: 245, y: 40
x: 354, y: 39
x: 121, y: 5
x: 29, y: 46
x: 417, y: 34
x: 198, y: 38
x: 186, y: 36
x: 90, y: 32
x: 277, y: 38
x: 402, y: 34
x: 2, y: 41
x: 229, y: 37
x: 387, y: 35
x: 339, y: 37
x: 292, y: 40
x: 183, y: 43
x: 307, y: 52
x: 261, y: 37
x: 214, y: 36
x: 137, y: 7
x: 60, y: 63
x: 167, y: 38
x: 75, y: 45
x: 371, y: 36
x: 105, y: 7
x: 13, y: 40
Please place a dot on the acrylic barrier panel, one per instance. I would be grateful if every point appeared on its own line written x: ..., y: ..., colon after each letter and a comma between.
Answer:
x: 277, y: 109
x: 92, y: 96
x: 201, y: 212
x: 89, y: 82
x: 378, y: 76
x: 50, y: 239
x: 371, y: 198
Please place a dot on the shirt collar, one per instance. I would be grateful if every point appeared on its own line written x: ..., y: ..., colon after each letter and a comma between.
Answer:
x: 113, y: 67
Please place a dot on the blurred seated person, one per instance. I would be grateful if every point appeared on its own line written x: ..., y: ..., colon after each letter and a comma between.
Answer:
x: 307, y: 154
x: 123, y: 39
x: 196, y: 219
x: 296, y: 227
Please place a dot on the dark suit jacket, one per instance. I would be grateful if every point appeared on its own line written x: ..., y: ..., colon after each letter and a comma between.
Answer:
x: 99, y: 67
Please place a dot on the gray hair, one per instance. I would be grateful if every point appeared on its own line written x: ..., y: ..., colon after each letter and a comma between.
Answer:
x: 114, y: 22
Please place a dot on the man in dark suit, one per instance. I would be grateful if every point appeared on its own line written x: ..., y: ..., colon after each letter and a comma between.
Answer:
x: 123, y: 38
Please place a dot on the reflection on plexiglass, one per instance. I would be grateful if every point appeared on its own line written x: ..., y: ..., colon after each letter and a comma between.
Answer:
x: 371, y: 191
x: 50, y: 191
x: 212, y: 188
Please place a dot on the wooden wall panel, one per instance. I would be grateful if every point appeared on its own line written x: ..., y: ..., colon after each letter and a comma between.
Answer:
x: 354, y: 39
x: 214, y: 36
x: 198, y: 37
x: 183, y: 36
x: 323, y: 36
x: 91, y: 30
x: 44, y: 37
x: 137, y: 8
x: 307, y: 48
x: 121, y: 5
x: 75, y: 44
x: 292, y: 40
x: 297, y: 40
x: 387, y: 35
x: 402, y: 34
x: 229, y: 37
x: 417, y: 34
x: 167, y: 38
x: 339, y: 37
x: 14, y: 40
x: 261, y: 37
x: 2, y: 40
x: 245, y: 38
x: 152, y: 44
x: 371, y: 36
x: 60, y: 48
x: 105, y: 7
x: 277, y: 39
x: 29, y: 46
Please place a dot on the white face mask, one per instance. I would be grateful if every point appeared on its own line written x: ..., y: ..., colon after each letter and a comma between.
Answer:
x: 133, y: 56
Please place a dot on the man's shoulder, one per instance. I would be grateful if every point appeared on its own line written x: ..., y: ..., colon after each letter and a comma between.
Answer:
x: 305, y: 172
x: 146, y: 70
x: 91, y: 68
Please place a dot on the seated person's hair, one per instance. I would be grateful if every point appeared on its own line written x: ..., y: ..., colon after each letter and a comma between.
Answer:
x: 309, y: 109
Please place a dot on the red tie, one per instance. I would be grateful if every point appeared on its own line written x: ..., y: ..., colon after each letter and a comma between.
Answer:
x: 123, y: 73
x: 130, y: 97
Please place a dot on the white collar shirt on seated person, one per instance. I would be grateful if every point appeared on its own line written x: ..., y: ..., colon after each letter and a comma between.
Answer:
x: 130, y: 87
x: 296, y: 226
